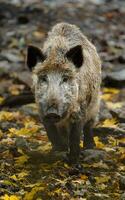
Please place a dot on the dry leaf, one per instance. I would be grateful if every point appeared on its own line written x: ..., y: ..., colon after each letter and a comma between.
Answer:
x: 98, y: 143
x: 111, y: 90
x: 30, y: 195
x: 113, y: 105
x: 102, y: 179
x: 12, y: 197
x: 8, y: 116
x: 21, y: 159
x: 110, y: 123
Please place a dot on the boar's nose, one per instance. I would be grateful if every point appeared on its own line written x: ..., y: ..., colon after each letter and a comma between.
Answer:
x: 52, y: 105
x: 52, y: 115
x: 52, y: 112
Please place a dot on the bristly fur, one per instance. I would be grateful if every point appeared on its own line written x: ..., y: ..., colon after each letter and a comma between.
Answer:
x: 62, y: 38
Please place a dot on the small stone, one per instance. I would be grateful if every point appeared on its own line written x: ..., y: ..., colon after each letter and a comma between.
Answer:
x: 93, y: 155
x: 122, y: 182
x: 122, y: 196
x: 115, y: 79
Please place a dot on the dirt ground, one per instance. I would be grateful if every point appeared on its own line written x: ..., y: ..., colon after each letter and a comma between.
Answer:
x: 28, y: 168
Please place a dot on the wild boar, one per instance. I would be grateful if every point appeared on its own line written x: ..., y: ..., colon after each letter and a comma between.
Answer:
x: 66, y: 76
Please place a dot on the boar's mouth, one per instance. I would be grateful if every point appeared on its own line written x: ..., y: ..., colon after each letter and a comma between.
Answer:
x: 52, y: 117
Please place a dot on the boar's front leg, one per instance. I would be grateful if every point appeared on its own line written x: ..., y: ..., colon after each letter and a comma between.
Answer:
x: 88, y: 135
x: 74, y: 142
x: 58, y: 142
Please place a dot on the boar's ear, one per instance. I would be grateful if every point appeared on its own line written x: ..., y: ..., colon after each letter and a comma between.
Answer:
x: 75, y: 55
x: 34, y: 55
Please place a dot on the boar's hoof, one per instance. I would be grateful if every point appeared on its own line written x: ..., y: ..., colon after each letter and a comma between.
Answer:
x: 89, y: 146
x: 71, y: 159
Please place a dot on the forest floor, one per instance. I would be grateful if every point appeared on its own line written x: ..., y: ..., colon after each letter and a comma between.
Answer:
x: 28, y: 168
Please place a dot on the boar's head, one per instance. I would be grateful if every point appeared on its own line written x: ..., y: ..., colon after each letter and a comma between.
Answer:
x: 55, y: 81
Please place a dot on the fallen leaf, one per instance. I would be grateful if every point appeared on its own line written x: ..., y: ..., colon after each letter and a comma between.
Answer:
x: 23, y: 131
x: 111, y: 90
x: 21, y: 175
x: 1, y: 100
x: 108, y: 93
x: 84, y: 177
x: 113, y: 105
x: 30, y: 195
x: 110, y: 123
x: 100, y: 165
x: 106, y: 97
x: 8, y: 116
x: 102, y: 179
x: 12, y: 197
x: 98, y: 143
x: 21, y: 160
x: 112, y: 141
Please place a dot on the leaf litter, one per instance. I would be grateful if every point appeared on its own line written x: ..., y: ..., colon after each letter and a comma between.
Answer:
x: 29, y: 170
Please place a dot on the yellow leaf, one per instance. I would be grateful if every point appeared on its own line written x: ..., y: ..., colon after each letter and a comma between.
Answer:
x: 98, y: 143
x: 8, y: 116
x: 110, y: 123
x: 108, y: 93
x: 106, y: 97
x: 81, y: 143
x: 21, y: 175
x: 12, y: 197
x: 1, y: 134
x: 30, y: 195
x: 66, y: 166
x: 111, y: 105
x: 1, y: 100
x: 102, y: 179
x: 112, y: 141
x: 58, y: 190
x: 122, y: 168
x: 23, y: 131
x: 13, y: 177
x: 5, y: 197
x: 21, y: 159
x: 45, y: 147
x: 99, y: 165
x: 84, y: 177
x: 111, y: 90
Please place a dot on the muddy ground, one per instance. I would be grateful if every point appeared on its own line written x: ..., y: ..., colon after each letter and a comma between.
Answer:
x: 28, y: 168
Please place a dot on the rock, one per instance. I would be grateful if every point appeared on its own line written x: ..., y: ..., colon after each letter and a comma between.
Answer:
x: 24, y: 77
x: 104, y: 112
x: 122, y: 196
x: 115, y: 79
x: 93, y: 155
x: 21, y: 143
x: 30, y: 109
x: 122, y: 125
x: 122, y: 183
x: 5, y: 125
x: 4, y: 67
x: 106, y: 131
x: 119, y: 113
x: 17, y: 100
x: 121, y: 58
x: 99, y: 196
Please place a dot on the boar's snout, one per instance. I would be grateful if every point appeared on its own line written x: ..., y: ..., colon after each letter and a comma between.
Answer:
x: 51, y: 113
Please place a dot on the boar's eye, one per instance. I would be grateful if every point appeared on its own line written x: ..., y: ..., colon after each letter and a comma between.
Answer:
x: 43, y: 78
x: 65, y: 79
